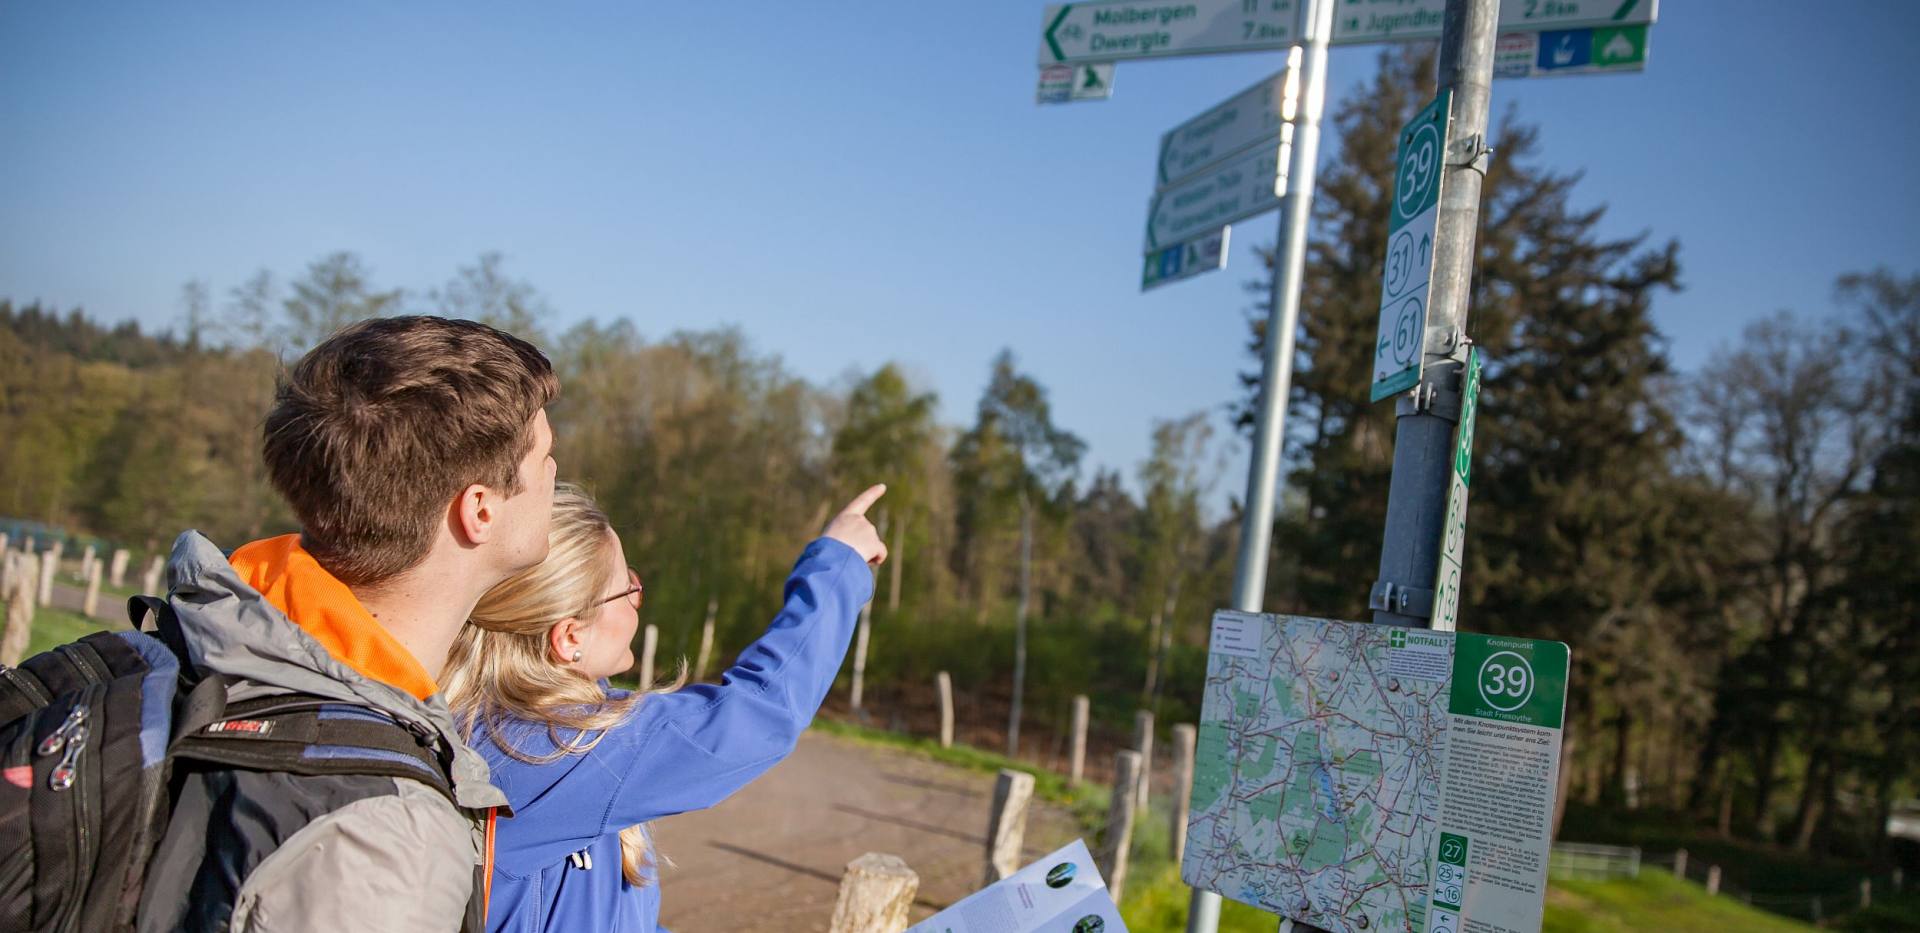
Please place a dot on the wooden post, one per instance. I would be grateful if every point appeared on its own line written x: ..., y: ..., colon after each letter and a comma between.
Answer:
x: 1077, y: 760
x: 1007, y: 823
x: 1680, y: 864
x: 117, y: 571
x: 1126, y: 784
x: 1713, y: 879
x: 706, y: 640
x: 1866, y: 893
x: 1899, y: 879
x: 49, y: 562
x: 86, y: 562
x: 91, y: 604
x: 1183, y: 736
x: 13, y: 643
x: 875, y: 894
x: 649, y: 642
x: 1143, y: 743
x: 860, y: 655
x: 943, y: 685
x: 150, y: 583
x: 1819, y: 916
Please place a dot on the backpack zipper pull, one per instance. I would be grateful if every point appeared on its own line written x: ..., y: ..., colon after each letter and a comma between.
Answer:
x: 64, y: 773
x: 56, y: 739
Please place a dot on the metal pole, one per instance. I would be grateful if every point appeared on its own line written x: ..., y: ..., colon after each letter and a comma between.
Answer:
x: 1424, y: 433
x: 1276, y: 371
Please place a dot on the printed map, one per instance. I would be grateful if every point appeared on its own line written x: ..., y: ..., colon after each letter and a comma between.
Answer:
x: 1317, y: 778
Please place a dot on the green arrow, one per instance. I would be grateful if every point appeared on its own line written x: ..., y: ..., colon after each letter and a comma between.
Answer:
x: 1625, y: 8
x: 1065, y: 8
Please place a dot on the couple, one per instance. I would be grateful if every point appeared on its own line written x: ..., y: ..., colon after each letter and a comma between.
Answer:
x: 441, y: 577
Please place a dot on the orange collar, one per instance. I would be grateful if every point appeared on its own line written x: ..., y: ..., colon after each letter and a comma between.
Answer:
x: 282, y: 571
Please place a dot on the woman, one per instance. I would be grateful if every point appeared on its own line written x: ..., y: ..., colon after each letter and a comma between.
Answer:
x: 584, y: 765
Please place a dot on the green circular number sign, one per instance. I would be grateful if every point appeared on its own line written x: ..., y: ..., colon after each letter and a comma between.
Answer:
x: 1506, y: 681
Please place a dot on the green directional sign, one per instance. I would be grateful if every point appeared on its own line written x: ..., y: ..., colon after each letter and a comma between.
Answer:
x: 1118, y: 30
x: 1453, y: 529
x: 1400, y: 343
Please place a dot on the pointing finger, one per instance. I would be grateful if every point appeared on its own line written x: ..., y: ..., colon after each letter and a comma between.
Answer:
x: 864, y: 501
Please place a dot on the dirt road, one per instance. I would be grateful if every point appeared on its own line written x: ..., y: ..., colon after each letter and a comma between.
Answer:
x: 770, y: 858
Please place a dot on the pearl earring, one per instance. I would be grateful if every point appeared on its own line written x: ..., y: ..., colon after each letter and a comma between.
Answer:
x: 578, y: 654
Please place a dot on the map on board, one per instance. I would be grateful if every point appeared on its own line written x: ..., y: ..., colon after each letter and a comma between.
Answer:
x: 1323, y: 789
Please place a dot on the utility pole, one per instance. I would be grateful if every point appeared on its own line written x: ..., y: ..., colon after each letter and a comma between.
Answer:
x: 1303, y: 109
x: 1423, y: 440
x: 1020, y: 625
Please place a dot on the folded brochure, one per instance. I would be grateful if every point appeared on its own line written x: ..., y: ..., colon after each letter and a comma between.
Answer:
x: 1061, y: 893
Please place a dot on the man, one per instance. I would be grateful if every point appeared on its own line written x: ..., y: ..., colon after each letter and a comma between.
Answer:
x: 416, y: 454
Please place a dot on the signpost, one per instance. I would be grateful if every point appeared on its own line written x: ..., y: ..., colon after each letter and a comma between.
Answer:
x: 1118, y: 30
x: 1604, y: 50
x: 1368, y: 21
x: 1247, y: 184
x: 1255, y: 115
x: 1453, y: 535
x: 1063, y: 84
x: 1185, y: 260
x: 1400, y: 344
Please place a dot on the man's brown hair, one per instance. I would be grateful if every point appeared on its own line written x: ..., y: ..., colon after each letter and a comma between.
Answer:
x: 375, y: 430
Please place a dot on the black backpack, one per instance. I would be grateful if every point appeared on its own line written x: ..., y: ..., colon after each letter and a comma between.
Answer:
x: 91, y: 735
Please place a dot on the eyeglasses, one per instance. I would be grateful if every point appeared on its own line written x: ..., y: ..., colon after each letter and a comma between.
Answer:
x: 631, y: 593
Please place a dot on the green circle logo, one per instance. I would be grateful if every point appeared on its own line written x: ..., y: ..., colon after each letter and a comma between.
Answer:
x: 1506, y: 681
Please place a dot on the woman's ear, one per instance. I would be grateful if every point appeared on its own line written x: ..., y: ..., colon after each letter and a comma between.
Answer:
x: 565, y: 640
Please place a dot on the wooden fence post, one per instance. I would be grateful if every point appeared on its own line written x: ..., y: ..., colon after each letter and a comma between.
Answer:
x: 943, y: 685
x: 91, y: 603
x: 1143, y: 743
x: 649, y: 642
x: 1007, y: 823
x: 49, y: 562
x: 117, y: 571
x: 1077, y: 760
x: 875, y: 894
x: 1126, y: 783
x: 706, y: 640
x: 1183, y: 736
x: 1680, y: 864
x: 150, y: 584
x: 1866, y: 893
x: 860, y: 655
x: 1899, y: 879
x: 86, y: 561
x: 13, y: 643
x: 1713, y: 879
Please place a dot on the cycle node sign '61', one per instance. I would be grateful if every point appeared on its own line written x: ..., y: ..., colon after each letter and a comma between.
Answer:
x: 1400, y: 342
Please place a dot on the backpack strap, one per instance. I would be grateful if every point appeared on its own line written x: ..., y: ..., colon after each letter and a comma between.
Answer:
x: 166, y: 627
x: 302, y: 734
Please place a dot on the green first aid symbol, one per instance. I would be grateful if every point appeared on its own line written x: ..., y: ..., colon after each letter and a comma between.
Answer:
x: 1397, y: 638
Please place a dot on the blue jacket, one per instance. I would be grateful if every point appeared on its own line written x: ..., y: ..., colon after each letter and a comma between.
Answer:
x: 679, y: 751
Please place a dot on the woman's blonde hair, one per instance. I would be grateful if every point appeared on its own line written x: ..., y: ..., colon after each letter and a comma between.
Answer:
x: 501, y: 669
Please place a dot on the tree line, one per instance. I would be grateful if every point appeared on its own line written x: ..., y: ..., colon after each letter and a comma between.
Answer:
x: 1730, y: 552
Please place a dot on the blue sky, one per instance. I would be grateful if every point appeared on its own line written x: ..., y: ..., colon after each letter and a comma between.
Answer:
x: 852, y: 183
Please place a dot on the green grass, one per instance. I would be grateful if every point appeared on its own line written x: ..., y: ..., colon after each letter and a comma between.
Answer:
x: 1900, y: 912
x: 1654, y: 901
